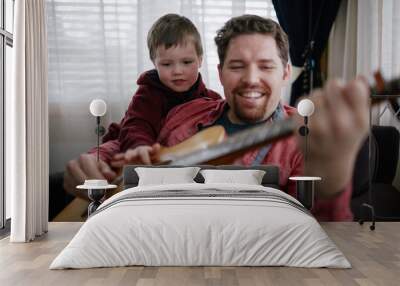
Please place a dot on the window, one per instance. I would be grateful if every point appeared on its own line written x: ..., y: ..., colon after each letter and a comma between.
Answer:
x: 6, y: 43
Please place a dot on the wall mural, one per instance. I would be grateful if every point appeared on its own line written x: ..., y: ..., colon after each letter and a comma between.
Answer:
x: 184, y: 113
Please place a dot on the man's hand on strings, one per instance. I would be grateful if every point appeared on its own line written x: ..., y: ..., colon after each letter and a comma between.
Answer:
x: 337, y: 129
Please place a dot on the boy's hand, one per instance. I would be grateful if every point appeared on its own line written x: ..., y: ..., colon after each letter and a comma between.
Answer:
x: 140, y: 155
x: 82, y: 168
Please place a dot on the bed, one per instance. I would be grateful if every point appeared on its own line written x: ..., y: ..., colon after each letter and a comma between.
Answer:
x: 239, y: 221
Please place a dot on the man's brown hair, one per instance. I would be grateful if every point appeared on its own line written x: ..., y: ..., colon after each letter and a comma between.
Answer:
x: 248, y: 25
x: 172, y: 30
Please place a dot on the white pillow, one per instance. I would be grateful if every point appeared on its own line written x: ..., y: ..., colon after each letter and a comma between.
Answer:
x: 249, y: 177
x: 164, y: 176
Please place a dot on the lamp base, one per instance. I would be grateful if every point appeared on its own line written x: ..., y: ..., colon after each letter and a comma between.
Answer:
x: 100, y: 130
x: 303, y: 130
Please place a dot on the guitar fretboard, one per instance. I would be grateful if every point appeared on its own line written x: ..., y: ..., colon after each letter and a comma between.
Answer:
x: 387, y: 90
x: 243, y: 140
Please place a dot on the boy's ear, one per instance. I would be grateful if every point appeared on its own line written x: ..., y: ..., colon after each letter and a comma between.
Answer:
x: 154, y: 63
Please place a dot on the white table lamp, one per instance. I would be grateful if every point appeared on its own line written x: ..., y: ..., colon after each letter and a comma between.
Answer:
x: 305, y: 108
x: 98, y: 108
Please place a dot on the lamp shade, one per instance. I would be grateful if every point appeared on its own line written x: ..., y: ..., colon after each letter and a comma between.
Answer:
x: 98, y: 107
x: 305, y: 107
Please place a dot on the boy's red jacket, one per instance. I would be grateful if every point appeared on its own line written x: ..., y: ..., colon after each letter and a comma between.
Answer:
x: 148, y: 108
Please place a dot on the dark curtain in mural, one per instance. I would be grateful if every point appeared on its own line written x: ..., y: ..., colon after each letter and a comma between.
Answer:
x: 306, y: 21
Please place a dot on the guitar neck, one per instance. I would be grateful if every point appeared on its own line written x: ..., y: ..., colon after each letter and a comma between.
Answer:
x: 383, y: 90
x: 238, y: 143
x: 257, y: 136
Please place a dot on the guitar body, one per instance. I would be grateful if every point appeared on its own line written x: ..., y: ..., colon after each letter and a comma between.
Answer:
x: 77, y: 209
x: 74, y: 211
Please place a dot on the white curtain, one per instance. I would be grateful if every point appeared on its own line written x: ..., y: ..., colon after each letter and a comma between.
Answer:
x: 342, y: 56
x: 379, y: 44
x: 97, y: 49
x: 366, y: 38
x: 27, y: 124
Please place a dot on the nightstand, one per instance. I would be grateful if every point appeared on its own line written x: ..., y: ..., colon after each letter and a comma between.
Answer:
x: 96, y: 192
x: 305, y: 190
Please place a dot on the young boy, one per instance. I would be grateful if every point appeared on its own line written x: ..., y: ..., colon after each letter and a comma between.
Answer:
x: 176, y: 52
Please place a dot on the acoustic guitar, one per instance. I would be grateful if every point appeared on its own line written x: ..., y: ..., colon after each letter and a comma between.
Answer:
x: 211, y: 146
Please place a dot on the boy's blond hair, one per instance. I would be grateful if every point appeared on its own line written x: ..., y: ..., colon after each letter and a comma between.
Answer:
x: 172, y: 30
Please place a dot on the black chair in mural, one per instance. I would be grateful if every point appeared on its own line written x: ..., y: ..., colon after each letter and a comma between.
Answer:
x: 384, y: 158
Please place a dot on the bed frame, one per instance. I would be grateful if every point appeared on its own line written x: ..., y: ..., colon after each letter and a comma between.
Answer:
x: 270, y: 179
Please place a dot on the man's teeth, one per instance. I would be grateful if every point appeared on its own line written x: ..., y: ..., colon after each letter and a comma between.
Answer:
x: 251, y: 94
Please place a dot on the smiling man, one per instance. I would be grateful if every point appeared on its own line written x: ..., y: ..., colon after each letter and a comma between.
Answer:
x: 252, y: 77
x: 253, y: 54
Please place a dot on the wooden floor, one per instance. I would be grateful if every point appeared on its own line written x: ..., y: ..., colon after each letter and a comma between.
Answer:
x: 375, y: 256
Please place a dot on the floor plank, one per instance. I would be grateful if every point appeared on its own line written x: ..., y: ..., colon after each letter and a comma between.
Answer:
x: 374, y: 255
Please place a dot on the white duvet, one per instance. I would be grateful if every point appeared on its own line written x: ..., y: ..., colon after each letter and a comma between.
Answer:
x: 267, y: 229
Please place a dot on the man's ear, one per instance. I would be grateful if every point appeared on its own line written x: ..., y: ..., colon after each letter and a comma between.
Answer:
x: 287, y: 72
x: 220, y: 72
